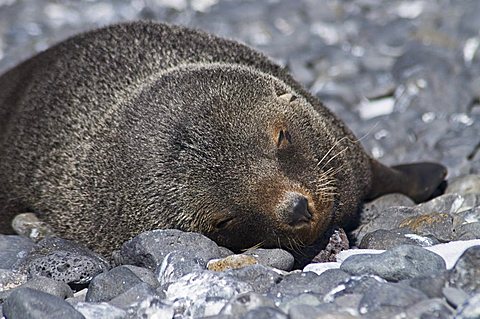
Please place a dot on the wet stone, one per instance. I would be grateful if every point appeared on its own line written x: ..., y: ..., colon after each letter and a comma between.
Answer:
x: 276, y: 258
x: 389, y: 294
x: 27, y: 303
x: 466, y: 272
x: 399, y: 263
x: 13, y: 249
x: 386, y: 239
x: 150, y: 248
x: 108, y: 285
x: 176, y: 265
x: 64, y: 261
x: 99, y: 310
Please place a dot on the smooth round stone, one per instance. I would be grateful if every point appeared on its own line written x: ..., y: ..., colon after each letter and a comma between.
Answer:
x: 108, y: 285
x: 389, y: 294
x: 259, y: 277
x: 27, y: 303
x: 243, y: 303
x: 456, y: 297
x: 176, y: 265
x: 276, y: 258
x: 47, y: 285
x: 470, y: 309
x: 13, y: 249
x: 100, y: 310
x: 440, y: 225
x: 386, y: 239
x: 430, y: 308
x: 402, y: 262
x: 65, y: 261
x: 466, y: 272
x: 432, y: 284
x: 148, y: 249
x: 468, y: 184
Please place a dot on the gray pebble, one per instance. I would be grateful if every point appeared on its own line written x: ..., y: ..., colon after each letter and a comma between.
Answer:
x: 146, y: 275
x: 260, y: 278
x: 430, y: 308
x: 277, y: 258
x: 456, y: 297
x: 13, y: 249
x: 65, y: 261
x: 27, y: 303
x: 265, y: 313
x: 445, y: 204
x: 132, y: 297
x: 47, y: 285
x: 99, y: 310
x: 108, y: 285
x: 10, y: 279
x: 438, y: 225
x: 389, y: 294
x: 305, y: 299
x: 243, y: 303
x: 386, y: 239
x: 150, y: 248
x: 468, y: 231
x: 431, y: 284
x: 224, y: 252
x: 465, y: 274
x: 399, y: 263
x: 468, y: 184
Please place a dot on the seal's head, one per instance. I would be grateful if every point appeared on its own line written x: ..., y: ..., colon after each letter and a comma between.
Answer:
x: 248, y: 167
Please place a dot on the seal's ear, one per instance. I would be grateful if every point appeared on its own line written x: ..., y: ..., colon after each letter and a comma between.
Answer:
x: 288, y: 97
x: 419, y: 181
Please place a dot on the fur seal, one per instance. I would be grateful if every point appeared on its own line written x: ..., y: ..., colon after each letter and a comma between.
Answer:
x: 145, y: 125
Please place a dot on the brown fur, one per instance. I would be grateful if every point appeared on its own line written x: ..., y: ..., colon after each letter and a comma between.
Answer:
x: 141, y: 126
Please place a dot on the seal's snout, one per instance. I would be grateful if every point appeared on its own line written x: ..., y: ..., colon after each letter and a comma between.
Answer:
x: 294, y: 209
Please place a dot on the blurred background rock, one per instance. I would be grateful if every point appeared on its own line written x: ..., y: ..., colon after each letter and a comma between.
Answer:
x: 404, y: 75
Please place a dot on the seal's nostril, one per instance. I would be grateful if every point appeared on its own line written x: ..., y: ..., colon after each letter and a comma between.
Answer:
x: 300, y: 213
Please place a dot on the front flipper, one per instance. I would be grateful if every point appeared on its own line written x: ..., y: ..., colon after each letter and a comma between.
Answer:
x: 419, y: 181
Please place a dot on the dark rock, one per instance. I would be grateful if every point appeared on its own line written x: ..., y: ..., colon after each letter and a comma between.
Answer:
x: 445, y: 204
x: 243, y: 303
x: 386, y: 239
x: 430, y: 308
x: 135, y: 295
x: 465, y: 274
x: 468, y: 231
x: 260, y: 278
x: 27, y: 303
x: 108, y: 285
x: 63, y: 260
x: 356, y: 285
x: 264, y: 313
x: 431, y: 284
x: 276, y: 258
x: 399, y: 263
x: 47, y: 285
x: 100, y: 310
x: 150, y: 248
x: 337, y: 242
x: 176, y: 265
x: 146, y: 275
x: 388, y: 294
x: 295, y: 284
x: 456, y: 297
x: 224, y: 252
x: 13, y: 249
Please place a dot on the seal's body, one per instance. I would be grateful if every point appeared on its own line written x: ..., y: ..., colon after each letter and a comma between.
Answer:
x: 142, y: 126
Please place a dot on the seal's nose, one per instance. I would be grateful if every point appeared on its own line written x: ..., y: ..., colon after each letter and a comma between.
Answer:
x: 299, y: 211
